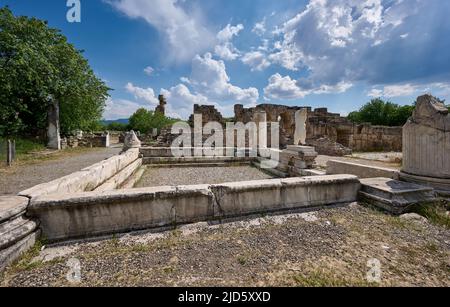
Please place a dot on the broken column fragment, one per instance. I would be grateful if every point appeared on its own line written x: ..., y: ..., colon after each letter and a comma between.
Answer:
x: 426, y: 144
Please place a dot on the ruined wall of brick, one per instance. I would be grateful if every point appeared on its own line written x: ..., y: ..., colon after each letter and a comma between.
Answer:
x: 324, y: 129
x: 209, y: 114
x: 88, y: 140
x: 376, y: 138
x: 166, y: 139
x: 332, y: 126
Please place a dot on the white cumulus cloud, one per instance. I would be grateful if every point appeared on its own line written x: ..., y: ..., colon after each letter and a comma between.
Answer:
x: 149, y: 70
x: 145, y: 94
x: 227, y: 33
x: 280, y: 87
x: 283, y: 88
x: 120, y: 108
x: 260, y: 27
x: 225, y: 49
x: 257, y: 60
x: 368, y: 41
x: 209, y: 78
x: 184, y: 31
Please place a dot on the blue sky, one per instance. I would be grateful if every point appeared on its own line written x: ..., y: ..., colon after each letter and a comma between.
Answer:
x: 336, y: 53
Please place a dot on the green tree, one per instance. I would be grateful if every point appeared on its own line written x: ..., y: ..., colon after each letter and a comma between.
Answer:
x: 141, y: 120
x: 37, y: 65
x: 144, y: 120
x: 116, y: 126
x: 380, y: 112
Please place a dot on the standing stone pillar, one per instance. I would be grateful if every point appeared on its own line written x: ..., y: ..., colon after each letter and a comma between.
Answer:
x: 260, y: 119
x: 107, y: 139
x: 53, y: 130
x: 426, y: 145
x: 301, y: 117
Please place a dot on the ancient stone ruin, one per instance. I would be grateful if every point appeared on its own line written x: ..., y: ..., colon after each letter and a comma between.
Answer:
x: 330, y: 133
x: 209, y: 114
x: 104, y: 199
x: 89, y: 139
x: 53, y: 130
x: 426, y: 144
x: 131, y: 141
x: 161, y: 108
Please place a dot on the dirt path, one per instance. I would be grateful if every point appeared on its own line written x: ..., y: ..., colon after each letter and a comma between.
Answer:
x: 332, y: 247
x: 21, y: 177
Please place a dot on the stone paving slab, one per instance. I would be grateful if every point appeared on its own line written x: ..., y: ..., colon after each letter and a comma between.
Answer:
x: 11, y: 206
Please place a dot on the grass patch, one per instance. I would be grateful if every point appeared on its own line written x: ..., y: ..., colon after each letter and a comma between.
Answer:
x: 23, y: 147
x: 323, y: 279
x: 436, y: 214
x: 39, y: 153
x: 25, y: 262
x: 242, y: 260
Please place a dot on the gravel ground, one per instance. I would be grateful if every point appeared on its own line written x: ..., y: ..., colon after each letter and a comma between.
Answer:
x: 331, y: 247
x: 21, y: 177
x: 199, y: 175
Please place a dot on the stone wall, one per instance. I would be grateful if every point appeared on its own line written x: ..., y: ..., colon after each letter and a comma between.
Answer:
x: 335, y: 167
x: 88, y: 179
x: 102, y: 139
x: 209, y: 114
x: 323, y: 124
x: 88, y: 214
x: 325, y: 146
x: 330, y: 132
x: 376, y: 138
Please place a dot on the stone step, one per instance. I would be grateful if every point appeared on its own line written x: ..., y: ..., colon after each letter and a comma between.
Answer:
x: 203, y: 164
x: 381, y: 203
x: 394, y: 196
x: 11, y: 206
x: 390, y: 188
x: 196, y: 160
x: 11, y: 253
x: 14, y: 230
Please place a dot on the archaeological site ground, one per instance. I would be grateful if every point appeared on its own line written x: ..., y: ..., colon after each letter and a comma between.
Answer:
x: 325, y: 214
x: 224, y: 151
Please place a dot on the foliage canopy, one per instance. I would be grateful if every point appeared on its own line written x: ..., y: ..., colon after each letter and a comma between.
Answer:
x: 38, y: 64
x: 144, y: 120
x: 380, y: 112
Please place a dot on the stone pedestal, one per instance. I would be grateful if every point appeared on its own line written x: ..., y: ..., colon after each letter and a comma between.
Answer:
x: 426, y: 145
x: 294, y: 159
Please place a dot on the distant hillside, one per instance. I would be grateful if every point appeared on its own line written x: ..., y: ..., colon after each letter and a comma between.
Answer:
x: 121, y: 121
